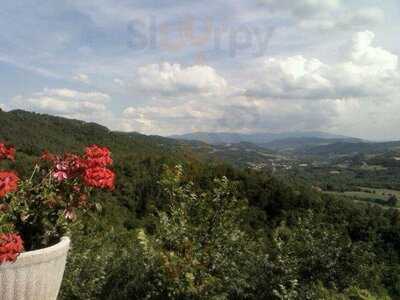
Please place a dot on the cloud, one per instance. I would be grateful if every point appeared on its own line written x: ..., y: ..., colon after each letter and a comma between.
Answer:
x: 362, y: 52
x: 237, y: 115
x: 363, y: 17
x: 82, y: 78
x: 168, y: 79
x: 169, y: 117
x: 28, y: 67
x: 291, y: 78
x: 3, y: 106
x: 303, y: 8
x: 364, y: 71
x: 90, y: 106
x: 327, y: 14
x: 119, y: 82
x: 346, y: 20
x: 371, y: 118
x: 283, y: 93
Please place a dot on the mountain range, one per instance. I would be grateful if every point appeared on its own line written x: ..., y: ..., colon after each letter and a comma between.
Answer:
x: 262, y: 139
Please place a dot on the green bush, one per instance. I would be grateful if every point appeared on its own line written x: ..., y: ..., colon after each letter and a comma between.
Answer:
x: 199, y: 242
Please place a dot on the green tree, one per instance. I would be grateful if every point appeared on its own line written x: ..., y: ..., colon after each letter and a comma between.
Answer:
x: 392, y: 201
x: 199, y: 241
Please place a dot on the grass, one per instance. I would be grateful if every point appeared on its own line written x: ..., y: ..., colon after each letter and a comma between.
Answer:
x: 376, y: 196
x: 372, y: 168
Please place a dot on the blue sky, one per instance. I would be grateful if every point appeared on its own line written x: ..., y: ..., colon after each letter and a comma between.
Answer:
x: 166, y: 67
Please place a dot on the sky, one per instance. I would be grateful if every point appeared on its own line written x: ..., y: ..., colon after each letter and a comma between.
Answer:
x: 178, y: 66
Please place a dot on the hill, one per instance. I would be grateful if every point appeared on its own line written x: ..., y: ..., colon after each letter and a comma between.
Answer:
x: 32, y: 133
x: 297, y: 144
x: 346, y: 148
x: 256, y: 138
x: 307, y: 243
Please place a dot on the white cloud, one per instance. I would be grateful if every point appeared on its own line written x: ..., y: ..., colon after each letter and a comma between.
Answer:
x: 234, y: 115
x: 291, y: 78
x: 82, y: 78
x: 3, y: 106
x: 119, y: 82
x: 69, y: 94
x: 172, y: 79
x: 363, y: 53
x: 303, y: 8
x: 284, y: 93
x: 327, y: 14
x: 345, y: 20
x: 370, y: 118
x: 90, y: 106
x: 363, y: 17
x: 365, y: 71
x: 169, y: 117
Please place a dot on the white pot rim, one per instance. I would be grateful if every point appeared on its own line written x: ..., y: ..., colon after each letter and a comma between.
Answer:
x: 39, y: 256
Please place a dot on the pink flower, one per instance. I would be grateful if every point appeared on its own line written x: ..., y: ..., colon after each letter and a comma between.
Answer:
x: 60, y: 175
x: 66, y: 167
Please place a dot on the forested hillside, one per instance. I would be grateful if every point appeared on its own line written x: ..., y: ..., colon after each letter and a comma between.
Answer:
x: 158, y: 235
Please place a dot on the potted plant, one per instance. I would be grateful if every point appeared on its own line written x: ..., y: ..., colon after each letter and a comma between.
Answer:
x: 35, y: 214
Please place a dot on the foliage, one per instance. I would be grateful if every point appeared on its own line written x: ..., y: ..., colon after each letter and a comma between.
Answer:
x: 203, y: 251
x: 310, y: 255
x: 41, y: 207
x: 303, y: 230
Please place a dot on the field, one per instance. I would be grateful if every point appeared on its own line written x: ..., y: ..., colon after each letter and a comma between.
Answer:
x: 376, y: 196
x: 372, y: 168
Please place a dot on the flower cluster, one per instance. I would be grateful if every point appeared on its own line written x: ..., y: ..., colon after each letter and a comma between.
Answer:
x: 92, y: 168
x: 59, y: 186
x: 67, y: 167
x: 8, y: 179
x: 7, y: 152
x: 96, y: 160
x: 8, y: 182
x: 96, y: 156
x: 11, y: 245
x: 99, y: 177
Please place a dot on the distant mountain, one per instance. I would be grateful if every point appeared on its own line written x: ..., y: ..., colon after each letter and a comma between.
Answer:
x: 301, y: 143
x: 259, y: 138
x: 345, y: 148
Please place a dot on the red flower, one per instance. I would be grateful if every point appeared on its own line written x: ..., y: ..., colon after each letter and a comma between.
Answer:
x: 7, y: 152
x: 11, y: 245
x: 97, y: 156
x: 8, y: 182
x: 99, y: 178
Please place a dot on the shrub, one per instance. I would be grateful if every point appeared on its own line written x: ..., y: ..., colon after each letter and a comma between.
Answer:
x: 199, y: 243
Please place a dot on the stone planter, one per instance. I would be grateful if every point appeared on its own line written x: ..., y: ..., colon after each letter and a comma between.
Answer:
x: 36, y: 275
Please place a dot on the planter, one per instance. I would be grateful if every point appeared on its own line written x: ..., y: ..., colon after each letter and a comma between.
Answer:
x: 36, y: 275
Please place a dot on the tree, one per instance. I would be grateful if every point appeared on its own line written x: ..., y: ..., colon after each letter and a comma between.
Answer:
x: 199, y: 241
x: 392, y: 201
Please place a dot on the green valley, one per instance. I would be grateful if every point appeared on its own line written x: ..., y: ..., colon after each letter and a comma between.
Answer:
x: 189, y: 220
